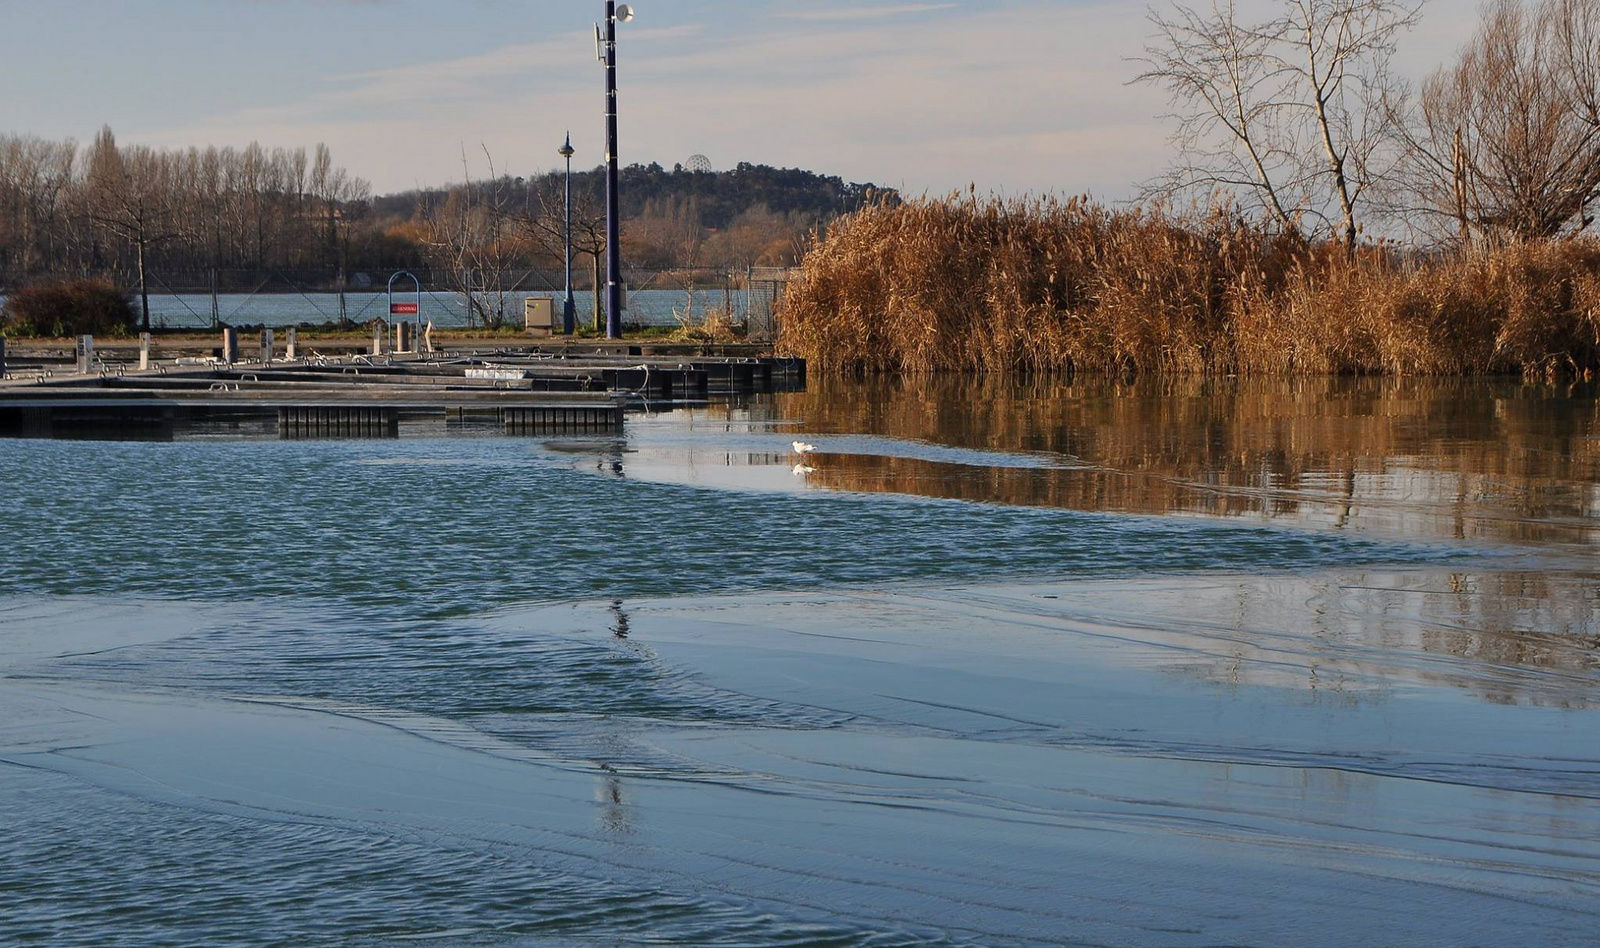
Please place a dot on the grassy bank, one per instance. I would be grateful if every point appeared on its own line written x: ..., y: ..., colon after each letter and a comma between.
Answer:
x: 974, y: 284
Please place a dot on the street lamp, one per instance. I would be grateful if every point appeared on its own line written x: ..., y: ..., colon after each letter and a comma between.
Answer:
x: 614, y: 14
x: 569, y: 319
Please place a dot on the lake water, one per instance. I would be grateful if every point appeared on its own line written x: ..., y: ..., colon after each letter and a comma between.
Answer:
x: 1183, y: 664
x: 443, y: 309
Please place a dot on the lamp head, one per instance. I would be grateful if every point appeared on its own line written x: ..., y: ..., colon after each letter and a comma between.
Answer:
x: 625, y: 14
x: 566, y: 150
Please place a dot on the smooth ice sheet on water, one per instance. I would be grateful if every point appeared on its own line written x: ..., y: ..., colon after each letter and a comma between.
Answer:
x: 1222, y: 663
x: 1233, y: 759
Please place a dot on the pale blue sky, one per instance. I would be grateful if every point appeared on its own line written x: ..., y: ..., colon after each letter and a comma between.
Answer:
x: 1012, y: 94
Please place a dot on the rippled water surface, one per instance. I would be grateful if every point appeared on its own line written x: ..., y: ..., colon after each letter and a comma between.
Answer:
x: 1192, y: 664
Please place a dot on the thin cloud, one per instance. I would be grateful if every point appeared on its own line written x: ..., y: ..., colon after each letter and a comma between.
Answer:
x: 1021, y: 97
x: 866, y: 13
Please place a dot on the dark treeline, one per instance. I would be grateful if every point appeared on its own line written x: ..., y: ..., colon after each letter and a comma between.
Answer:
x: 110, y: 209
x: 752, y: 215
x: 719, y: 197
x: 146, y: 218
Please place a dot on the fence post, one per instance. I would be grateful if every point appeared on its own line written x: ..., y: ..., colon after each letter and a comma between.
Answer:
x: 144, y: 352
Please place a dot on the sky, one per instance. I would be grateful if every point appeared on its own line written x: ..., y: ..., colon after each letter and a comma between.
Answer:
x: 1012, y: 96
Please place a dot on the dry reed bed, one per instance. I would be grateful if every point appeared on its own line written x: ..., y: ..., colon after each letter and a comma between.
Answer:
x: 977, y: 284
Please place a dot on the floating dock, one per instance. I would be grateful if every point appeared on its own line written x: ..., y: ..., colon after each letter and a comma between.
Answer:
x: 521, y: 392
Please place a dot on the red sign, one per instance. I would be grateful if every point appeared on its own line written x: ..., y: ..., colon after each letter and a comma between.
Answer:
x: 404, y: 309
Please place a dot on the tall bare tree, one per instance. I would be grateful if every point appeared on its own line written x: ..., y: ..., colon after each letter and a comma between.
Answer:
x: 132, y: 194
x: 473, y: 235
x: 339, y: 198
x: 1289, y: 113
x: 35, y: 182
x: 1505, y: 143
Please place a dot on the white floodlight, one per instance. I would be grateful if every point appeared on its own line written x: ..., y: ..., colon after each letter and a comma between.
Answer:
x: 625, y: 13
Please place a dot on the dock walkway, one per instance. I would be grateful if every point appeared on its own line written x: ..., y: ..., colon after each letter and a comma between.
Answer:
x: 527, y: 392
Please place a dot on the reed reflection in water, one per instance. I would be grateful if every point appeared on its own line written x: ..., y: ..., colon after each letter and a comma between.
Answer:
x: 1495, y: 461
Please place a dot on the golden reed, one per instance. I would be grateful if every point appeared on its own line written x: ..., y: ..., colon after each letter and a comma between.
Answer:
x: 968, y: 283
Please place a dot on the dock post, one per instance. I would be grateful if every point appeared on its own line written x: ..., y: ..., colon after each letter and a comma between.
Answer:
x: 230, y: 345
x: 403, y: 341
x: 377, y: 340
x: 2, y: 357
x: 267, y: 344
x: 85, y: 353
x: 144, y: 352
x: 293, y: 351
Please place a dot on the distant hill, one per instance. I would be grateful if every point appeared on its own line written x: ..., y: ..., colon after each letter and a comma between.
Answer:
x: 718, y: 197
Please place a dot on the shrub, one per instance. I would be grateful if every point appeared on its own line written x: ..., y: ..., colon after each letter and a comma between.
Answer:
x: 70, y: 308
x: 974, y: 284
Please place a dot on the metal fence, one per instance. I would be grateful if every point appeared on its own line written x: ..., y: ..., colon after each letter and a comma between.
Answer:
x: 764, y: 300
x: 683, y: 297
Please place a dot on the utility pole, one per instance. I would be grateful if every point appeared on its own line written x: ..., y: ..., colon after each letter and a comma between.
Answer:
x: 613, y: 204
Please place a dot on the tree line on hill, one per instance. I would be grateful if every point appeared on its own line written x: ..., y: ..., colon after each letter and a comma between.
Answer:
x: 145, y: 218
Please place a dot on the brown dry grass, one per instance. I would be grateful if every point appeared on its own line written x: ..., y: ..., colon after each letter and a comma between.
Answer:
x: 974, y: 284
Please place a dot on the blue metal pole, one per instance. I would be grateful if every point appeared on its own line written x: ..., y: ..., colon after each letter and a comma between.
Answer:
x: 613, y: 211
x: 569, y: 316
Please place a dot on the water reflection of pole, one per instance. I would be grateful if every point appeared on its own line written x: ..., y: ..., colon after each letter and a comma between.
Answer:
x: 613, y: 460
x: 614, y: 807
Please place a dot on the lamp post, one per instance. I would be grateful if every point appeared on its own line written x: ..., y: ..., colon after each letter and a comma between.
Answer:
x: 569, y: 319
x: 613, y: 209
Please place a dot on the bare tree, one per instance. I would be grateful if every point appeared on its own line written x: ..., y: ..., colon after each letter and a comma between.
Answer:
x: 545, y: 225
x: 1505, y: 143
x: 132, y: 195
x: 1290, y: 114
x: 339, y: 197
x: 473, y: 236
x: 35, y: 182
x: 215, y: 208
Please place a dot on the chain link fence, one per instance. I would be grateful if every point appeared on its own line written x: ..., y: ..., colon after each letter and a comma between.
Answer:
x: 455, y: 300
x: 764, y: 300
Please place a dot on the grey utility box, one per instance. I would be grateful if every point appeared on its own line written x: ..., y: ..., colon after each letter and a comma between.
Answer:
x: 539, y: 315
